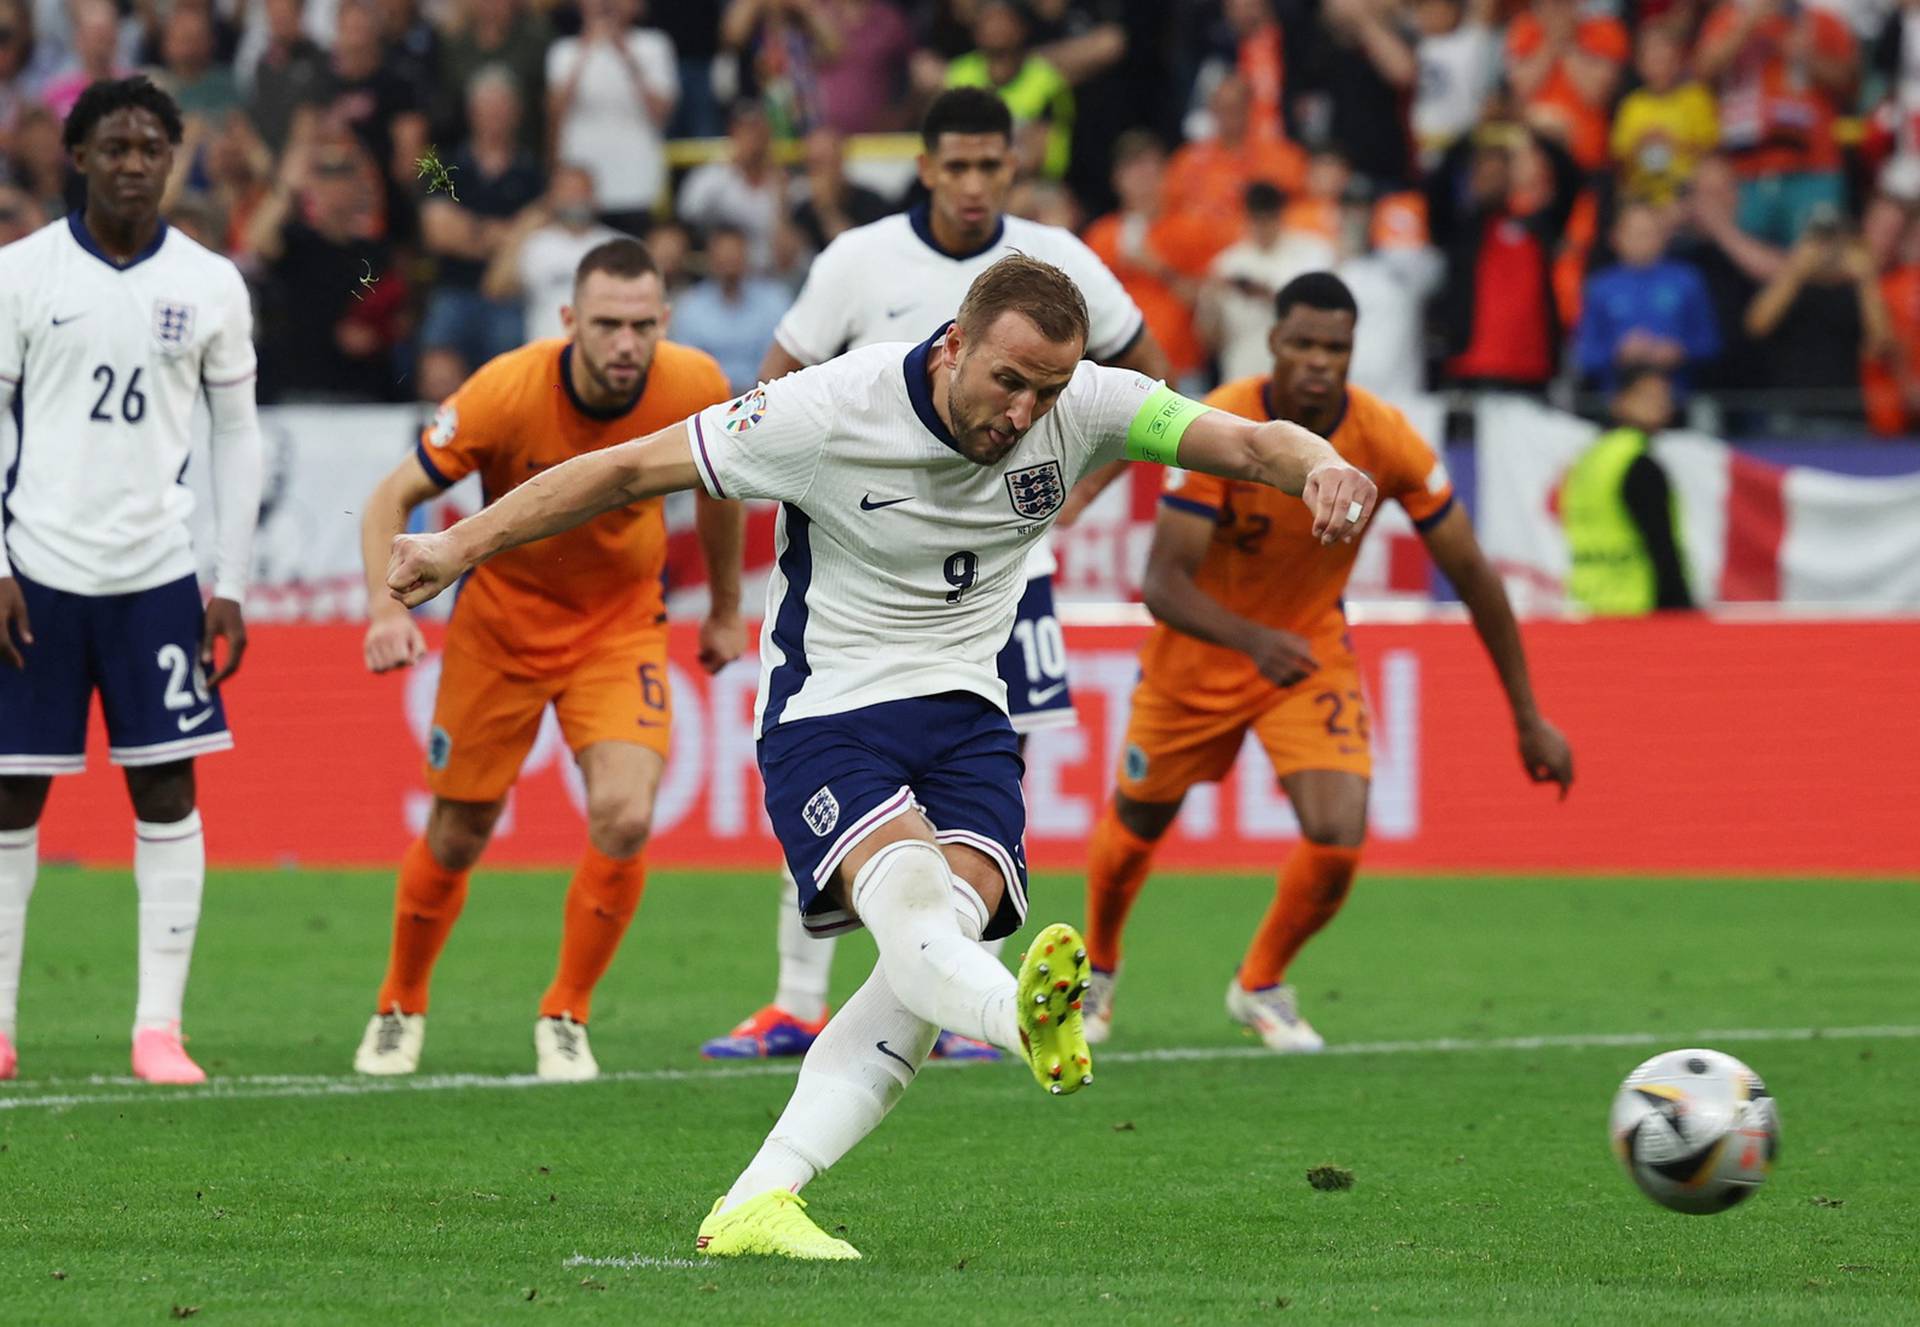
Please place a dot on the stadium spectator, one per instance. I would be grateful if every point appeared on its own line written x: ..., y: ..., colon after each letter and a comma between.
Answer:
x: 1733, y: 264
x: 1349, y: 76
x: 1392, y: 271
x: 1498, y: 205
x: 413, y: 48
x: 1458, y: 50
x: 499, y: 33
x: 1316, y: 210
x: 1037, y: 93
x: 863, y: 81
x: 1563, y: 65
x: 1159, y: 255
x: 19, y: 214
x: 1619, y: 512
x: 1894, y: 130
x: 1645, y: 311
x: 671, y: 245
x: 203, y: 87
x: 731, y: 315
x: 747, y: 189
x: 833, y: 203
x: 1664, y: 126
x: 542, y: 248
x: 365, y: 95
x: 339, y: 312
x: 40, y: 159
x: 1235, y: 310
x: 781, y: 44
x: 494, y: 181
x: 1049, y: 202
x: 225, y: 176
x: 614, y: 90
x: 1821, y: 318
x: 27, y: 64
x: 96, y: 55
x: 291, y: 73
x: 1258, y: 57
x: 1211, y: 174
x: 1783, y: 72
x: 694, y: 32
x: 1892, y: 382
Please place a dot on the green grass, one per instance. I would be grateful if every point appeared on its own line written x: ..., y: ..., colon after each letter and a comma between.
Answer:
x: 1484, y: 1187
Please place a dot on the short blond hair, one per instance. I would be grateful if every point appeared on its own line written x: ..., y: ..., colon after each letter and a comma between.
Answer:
x: 1038, y: 291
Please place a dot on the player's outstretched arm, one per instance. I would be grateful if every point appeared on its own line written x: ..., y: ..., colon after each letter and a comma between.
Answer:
x: 393, y: 639
x: 722, y: 527
x: 1544, y: 752
x: 1285, y: 456
x: 570, y: 494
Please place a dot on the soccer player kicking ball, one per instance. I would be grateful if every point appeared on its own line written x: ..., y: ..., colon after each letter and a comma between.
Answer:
x: 890, y: 281
x: 913, y: 480
x: 1251, y: 637
x: 111, y: 326
x: 577, y: 621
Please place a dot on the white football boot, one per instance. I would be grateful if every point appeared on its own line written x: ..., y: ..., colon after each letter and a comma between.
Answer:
x: 1274, y: 1013
x: 561, y: 1053
x: 392, y: 1044
x: 1096, y: 1006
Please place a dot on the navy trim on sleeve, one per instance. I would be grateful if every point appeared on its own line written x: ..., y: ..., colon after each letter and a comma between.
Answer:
x: 426, y: 463
x: 1188, y: 505
x: 1426, y: 523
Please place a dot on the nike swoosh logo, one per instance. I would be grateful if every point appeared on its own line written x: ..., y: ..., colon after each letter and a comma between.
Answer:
x: 62, y: 322
x: 651, y: 723
x: 188, y: 722
x: 881, y: 1046
x: 1041, y: 695
x: 868, y: 504
x: 541, y: 465
x: 180, y: 930
x: 903, y: 309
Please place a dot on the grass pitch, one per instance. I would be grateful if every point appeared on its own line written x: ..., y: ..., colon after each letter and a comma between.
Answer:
x: 1478, y: 1030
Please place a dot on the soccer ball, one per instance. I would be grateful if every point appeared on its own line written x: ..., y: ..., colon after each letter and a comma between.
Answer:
x: 1697, y: 1130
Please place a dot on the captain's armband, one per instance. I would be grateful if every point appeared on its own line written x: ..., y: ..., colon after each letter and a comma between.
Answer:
x: 1154, y: 435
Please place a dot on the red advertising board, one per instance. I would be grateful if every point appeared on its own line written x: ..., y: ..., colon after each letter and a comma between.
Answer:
x: 1773, y: 747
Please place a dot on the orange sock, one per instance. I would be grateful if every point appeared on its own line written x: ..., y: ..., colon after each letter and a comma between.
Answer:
x: 1313, y: 885
x: 1117, y: 862
x: 425, y: 907
x: 602, y: 899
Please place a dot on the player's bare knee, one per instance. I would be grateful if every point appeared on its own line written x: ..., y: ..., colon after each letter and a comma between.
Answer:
x: 619, y: 831
x: 161, y: 794
x: 458, y: 832
x: 22, y: 798
x: 1145, y: 820
x: 1334, y: 827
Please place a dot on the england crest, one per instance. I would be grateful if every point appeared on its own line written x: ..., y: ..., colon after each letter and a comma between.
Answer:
x: 1037, y: 491
x: 822, y: 812
x: 172, y: 324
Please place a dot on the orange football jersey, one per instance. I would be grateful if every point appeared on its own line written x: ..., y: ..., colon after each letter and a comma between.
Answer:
x: 1264, y: 562
x: 540, y: 606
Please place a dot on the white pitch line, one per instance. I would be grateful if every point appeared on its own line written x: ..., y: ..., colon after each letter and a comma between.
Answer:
x: 635, y: 1260
x: 268, y: 1087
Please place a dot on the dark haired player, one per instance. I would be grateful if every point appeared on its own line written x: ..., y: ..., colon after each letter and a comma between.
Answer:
x: 111, y: 327
x: 1252, y: 637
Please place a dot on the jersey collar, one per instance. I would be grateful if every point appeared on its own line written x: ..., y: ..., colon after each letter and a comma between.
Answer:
x: 921, y: 219
x: 602, y: 413
x: 84, y: 238
x: 1339, y: 418
x: 920, y: 387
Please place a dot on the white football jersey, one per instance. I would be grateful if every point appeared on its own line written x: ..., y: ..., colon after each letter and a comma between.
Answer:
x: 900, y: 563
x: 888, y: 281
x: 106, y: 363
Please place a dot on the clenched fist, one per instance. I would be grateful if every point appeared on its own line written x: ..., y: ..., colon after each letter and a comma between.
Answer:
x: 422, y: 565
x: 1341, y: 499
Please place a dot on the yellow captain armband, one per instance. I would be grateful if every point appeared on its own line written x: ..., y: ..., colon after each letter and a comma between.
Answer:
x: 1154, y: 435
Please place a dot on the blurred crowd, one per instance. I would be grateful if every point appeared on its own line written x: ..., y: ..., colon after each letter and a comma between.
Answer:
x: 1526, y: 195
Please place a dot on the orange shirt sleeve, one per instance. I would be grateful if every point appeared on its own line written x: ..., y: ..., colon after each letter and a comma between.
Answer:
x: 1412, y: 473
x: 1832, y: 37
x: 1524, y: 37
x: 465, y: 432
x: 1192, y: 492
x: 1606, y: 38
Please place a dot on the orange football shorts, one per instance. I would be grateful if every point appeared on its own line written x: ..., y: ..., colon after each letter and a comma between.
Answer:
x: 1320, y: 723
x: 485, y: 717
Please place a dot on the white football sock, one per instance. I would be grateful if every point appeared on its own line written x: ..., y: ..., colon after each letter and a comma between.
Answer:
x: 806, y: 961
x: 851, y: 1078
x: 170, y: 870
x: 19, y: 863
x: 927, y: 924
